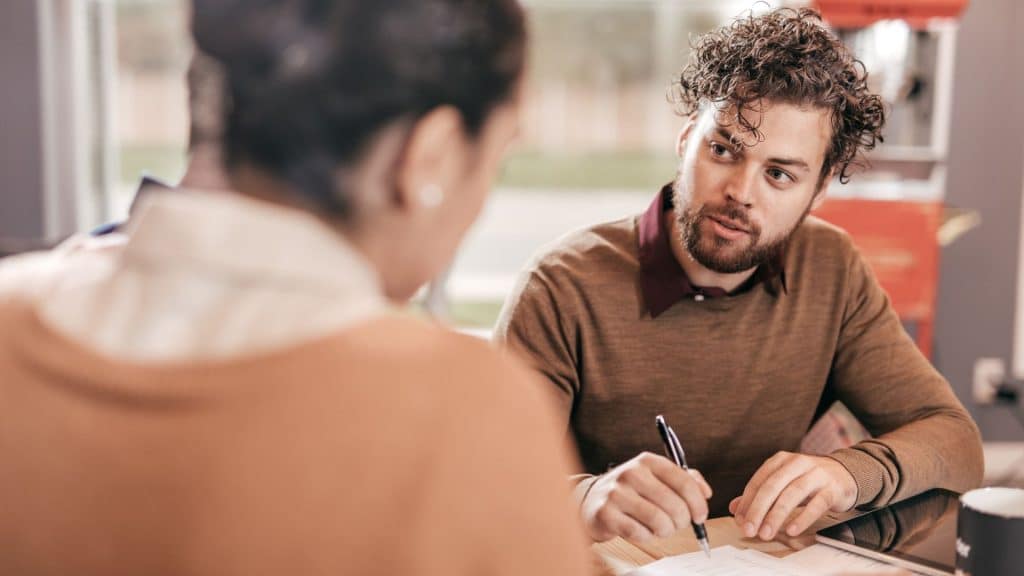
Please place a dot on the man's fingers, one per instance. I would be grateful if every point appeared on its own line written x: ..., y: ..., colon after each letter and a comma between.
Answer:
x: 635, y: 531
x: 647, y: 496
x: 795, y: 494
x: 815, y: 509
x: 686, y: 486
x: 614, y: 522
x: 769, y: 491
x: 655, y: 520
x: 705, y: 488
x: 781, y: 484
x: 767, y: 469
x: 663, y: 496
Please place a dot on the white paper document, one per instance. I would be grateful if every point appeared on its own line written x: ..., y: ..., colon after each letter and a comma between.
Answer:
x: 724, y: 561
x: 817, y: 560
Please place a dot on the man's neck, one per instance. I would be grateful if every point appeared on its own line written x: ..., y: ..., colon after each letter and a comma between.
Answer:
x: 697, y: 273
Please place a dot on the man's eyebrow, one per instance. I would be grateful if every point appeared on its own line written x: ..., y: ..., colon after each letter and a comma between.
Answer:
x: 794, y: 162
x: 731, y: 138
x: 784, y: 161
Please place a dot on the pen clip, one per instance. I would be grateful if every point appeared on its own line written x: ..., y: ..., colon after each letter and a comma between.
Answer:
x: 672, y: 453
x: 666, y: 437
x: 677, y: 447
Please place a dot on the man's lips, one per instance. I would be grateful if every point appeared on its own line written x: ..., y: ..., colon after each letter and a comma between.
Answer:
x: 729, y: 224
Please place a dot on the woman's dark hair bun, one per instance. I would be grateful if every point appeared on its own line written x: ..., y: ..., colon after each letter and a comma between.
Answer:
x: 311, y: 81
x: 214, y: 32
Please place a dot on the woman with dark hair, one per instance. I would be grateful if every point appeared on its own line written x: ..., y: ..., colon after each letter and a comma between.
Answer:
x: 228, y: 391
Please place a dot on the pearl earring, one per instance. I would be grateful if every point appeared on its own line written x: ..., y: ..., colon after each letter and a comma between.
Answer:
x: 431, y: 195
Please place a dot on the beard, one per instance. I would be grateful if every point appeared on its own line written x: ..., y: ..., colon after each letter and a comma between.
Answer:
x: 723, y: 255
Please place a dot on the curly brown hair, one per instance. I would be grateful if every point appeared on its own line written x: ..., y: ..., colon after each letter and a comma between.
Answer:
x: 786, y: 55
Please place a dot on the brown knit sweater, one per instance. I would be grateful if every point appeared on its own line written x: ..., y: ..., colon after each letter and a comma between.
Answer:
x: 739, y: 377
x: 392, y: 447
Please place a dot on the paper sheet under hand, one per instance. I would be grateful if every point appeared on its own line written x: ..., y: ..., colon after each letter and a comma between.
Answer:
x: 724, y: 561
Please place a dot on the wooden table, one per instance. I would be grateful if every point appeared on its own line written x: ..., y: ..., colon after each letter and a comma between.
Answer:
x: 617, y: 556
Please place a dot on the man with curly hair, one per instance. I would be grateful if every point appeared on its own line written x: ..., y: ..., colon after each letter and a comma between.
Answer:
x: 729, y: 310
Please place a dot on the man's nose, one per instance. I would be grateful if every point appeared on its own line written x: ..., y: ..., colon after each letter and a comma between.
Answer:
x: 742, y: 187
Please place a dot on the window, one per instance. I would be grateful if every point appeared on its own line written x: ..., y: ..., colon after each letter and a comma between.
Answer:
x: 150, y: 119
x: 597, y: 139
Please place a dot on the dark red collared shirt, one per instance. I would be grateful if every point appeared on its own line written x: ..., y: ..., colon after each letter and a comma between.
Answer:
x: 663, y: 282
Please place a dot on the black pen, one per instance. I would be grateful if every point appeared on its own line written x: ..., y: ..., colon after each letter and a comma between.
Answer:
x: 675, y: 451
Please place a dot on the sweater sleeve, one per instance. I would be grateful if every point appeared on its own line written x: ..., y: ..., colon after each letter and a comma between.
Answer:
x: 923, y: 438
x: 538, y: 325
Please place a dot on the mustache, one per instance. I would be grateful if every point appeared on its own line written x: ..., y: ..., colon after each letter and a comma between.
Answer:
x: 733, y: 212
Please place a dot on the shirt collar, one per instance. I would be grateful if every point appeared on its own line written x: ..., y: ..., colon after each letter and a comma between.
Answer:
x: 249, y: 240
x: 663, y: 282
x: 146, y: 184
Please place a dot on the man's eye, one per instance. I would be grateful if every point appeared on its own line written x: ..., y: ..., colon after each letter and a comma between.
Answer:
x: 779, y: 175
x: 719, y: 150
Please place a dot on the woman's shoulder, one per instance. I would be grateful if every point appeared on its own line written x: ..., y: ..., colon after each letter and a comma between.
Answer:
x: 399, y: 339
x: 34, y: 274
x: 411, y: 355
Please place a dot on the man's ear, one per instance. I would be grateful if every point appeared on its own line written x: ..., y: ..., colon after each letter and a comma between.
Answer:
x: 435, y: 154
x: 684, y: 134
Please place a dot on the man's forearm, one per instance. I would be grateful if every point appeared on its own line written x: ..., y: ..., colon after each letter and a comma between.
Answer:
x: 942, y: 450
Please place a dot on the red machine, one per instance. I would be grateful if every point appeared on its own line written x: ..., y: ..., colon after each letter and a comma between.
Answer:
x: 861, y: 13
x: 895, y: 210
x: 898, y: 241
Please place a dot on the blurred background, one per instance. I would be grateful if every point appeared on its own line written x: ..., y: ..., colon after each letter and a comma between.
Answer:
x: 93, y: 98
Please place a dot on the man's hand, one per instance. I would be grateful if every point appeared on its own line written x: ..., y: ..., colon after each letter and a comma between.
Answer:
x: 645, y: 497
x: 786, y: 481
